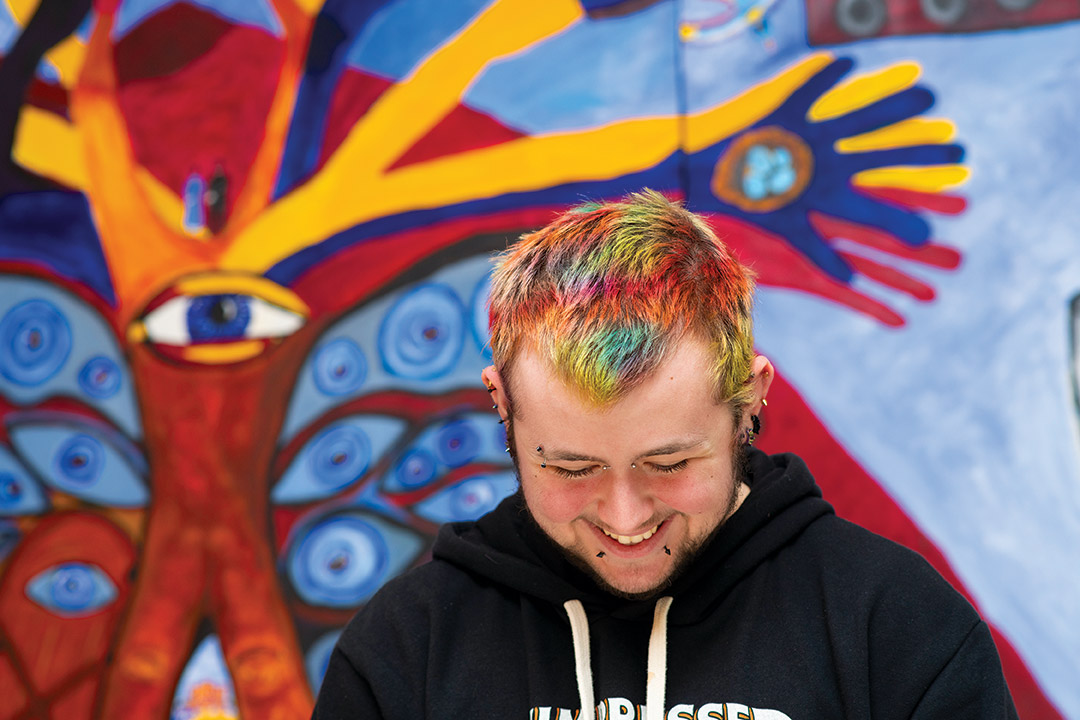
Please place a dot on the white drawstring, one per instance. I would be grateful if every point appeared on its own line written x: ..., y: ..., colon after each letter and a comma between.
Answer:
x: 656, y: 678
x: 656, y: 674
x: 579, y: 628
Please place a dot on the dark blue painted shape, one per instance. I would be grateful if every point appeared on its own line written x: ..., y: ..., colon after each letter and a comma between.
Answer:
x: 336, y: 27
x: 55, y: 229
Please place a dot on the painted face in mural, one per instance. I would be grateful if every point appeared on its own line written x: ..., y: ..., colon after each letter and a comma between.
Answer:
x: 620, y: 486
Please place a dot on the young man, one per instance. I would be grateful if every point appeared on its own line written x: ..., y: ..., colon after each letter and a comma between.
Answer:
x: 653, y: 564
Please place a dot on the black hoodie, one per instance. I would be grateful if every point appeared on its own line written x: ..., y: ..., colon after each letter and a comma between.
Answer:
x: 788, y: 612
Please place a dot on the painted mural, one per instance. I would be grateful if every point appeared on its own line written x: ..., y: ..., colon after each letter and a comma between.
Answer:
x: 244, y: 255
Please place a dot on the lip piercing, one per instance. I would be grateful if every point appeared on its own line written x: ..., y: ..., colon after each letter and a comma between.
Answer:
x: 600, y: 554
x: 667, y: 550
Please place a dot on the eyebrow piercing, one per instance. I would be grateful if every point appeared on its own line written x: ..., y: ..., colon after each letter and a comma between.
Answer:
x: 633, y: 465
x: 539, y: 449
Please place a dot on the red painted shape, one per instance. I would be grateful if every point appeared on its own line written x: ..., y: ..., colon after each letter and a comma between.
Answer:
x: 51, y: 649
x: 166, y: 42
x: 833, y: 228
x: 889, y: 276
x: 789, y: 425
x: 778, y: 264
x: 461, y: 130
x: 77, y: 704
x: 916, y: 200
x: 209, y: 114
x: 355, y: 93
x: 343, y: 279
x: 12, y: 690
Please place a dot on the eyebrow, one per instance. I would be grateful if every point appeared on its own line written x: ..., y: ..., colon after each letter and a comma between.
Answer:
x: 668, y: 449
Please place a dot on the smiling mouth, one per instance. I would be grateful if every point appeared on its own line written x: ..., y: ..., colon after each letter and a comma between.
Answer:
x: 632, y: 539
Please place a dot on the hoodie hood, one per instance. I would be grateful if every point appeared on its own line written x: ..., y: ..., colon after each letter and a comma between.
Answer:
x: 508, y: 548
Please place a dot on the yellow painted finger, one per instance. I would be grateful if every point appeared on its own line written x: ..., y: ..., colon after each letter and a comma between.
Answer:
x: 913, y: 131
x: 864, y: 90
x: 925, y: 179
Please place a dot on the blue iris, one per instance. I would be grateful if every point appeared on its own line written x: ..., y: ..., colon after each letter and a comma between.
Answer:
x: 71, y: 589
x: 218, y: 317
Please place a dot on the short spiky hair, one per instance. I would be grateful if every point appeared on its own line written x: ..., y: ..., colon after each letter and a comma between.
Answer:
x: 606, y: 290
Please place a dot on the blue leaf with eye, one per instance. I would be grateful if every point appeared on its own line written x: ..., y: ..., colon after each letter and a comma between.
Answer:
x: 341, y: 561
x: 468, y: 499
x: 422, y: 334
x: 337, y: 457
x: 19, y: 493
x: 475, y: 437
x: 81, y: 462
x: 481, y: 299
x: 72, y: 589
x: 53, y: 345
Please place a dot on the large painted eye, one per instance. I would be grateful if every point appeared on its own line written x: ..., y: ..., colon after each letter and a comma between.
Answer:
x: 341, y: 562
x: 19, y: 494
x: 83, y: 463
x: 337, y: 457
x: 468, y: 499
x: 35, y: 341
x: 219, y: 319
x: 72, y: 589
x: 422, y: 335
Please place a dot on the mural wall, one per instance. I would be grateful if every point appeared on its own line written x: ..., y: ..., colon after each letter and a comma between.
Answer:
x: 243, y: 271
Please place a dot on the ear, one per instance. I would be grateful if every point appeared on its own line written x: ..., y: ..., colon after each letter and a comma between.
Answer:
x: 763, y: 376
x: 493, y: 382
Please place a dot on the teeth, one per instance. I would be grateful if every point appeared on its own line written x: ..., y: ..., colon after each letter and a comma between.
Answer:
x: 632, y: 539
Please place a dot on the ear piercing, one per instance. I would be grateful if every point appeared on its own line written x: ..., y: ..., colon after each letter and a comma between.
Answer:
x: 764, y: 402
x: 752, y: 433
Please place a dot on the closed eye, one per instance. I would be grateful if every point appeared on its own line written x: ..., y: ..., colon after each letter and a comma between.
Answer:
x: 676, y: 467
x: 583, y: 472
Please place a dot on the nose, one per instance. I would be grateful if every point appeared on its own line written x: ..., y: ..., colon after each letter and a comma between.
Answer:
x: 625, y: 504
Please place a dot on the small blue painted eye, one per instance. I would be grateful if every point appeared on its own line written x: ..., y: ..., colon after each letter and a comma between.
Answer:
x: 468, y: 499
x: 72, y: 589
x: 100, y: 377
x: 339, y: 367
x: 457, y: 443
x: 19, y: 493
x: 422, y: 335
x: 337, y: 457
x: 82, y: 464
x: 35, y: 341
x: 318, y: 657
x: 341, y: 562
x: 415, y: 469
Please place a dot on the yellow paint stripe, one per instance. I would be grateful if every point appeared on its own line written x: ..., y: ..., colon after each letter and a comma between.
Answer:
x: 166, y: 203
x: 925, y: 179
x: 863, y: 90
x: 268, y: 290
x: 22, y: 10
x: 711, y: 126
x: 315, y: 212
x: 406, y: 111
x: 311, y: 7
x: 136, y: 333
x: 913, y: 131
x: 222, y: 353
x: 51, y: 146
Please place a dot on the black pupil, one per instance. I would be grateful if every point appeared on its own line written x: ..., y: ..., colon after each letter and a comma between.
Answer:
x: 223, y: 311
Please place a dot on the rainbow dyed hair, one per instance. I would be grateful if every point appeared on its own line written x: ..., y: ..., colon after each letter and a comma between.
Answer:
x: 606, y: 290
